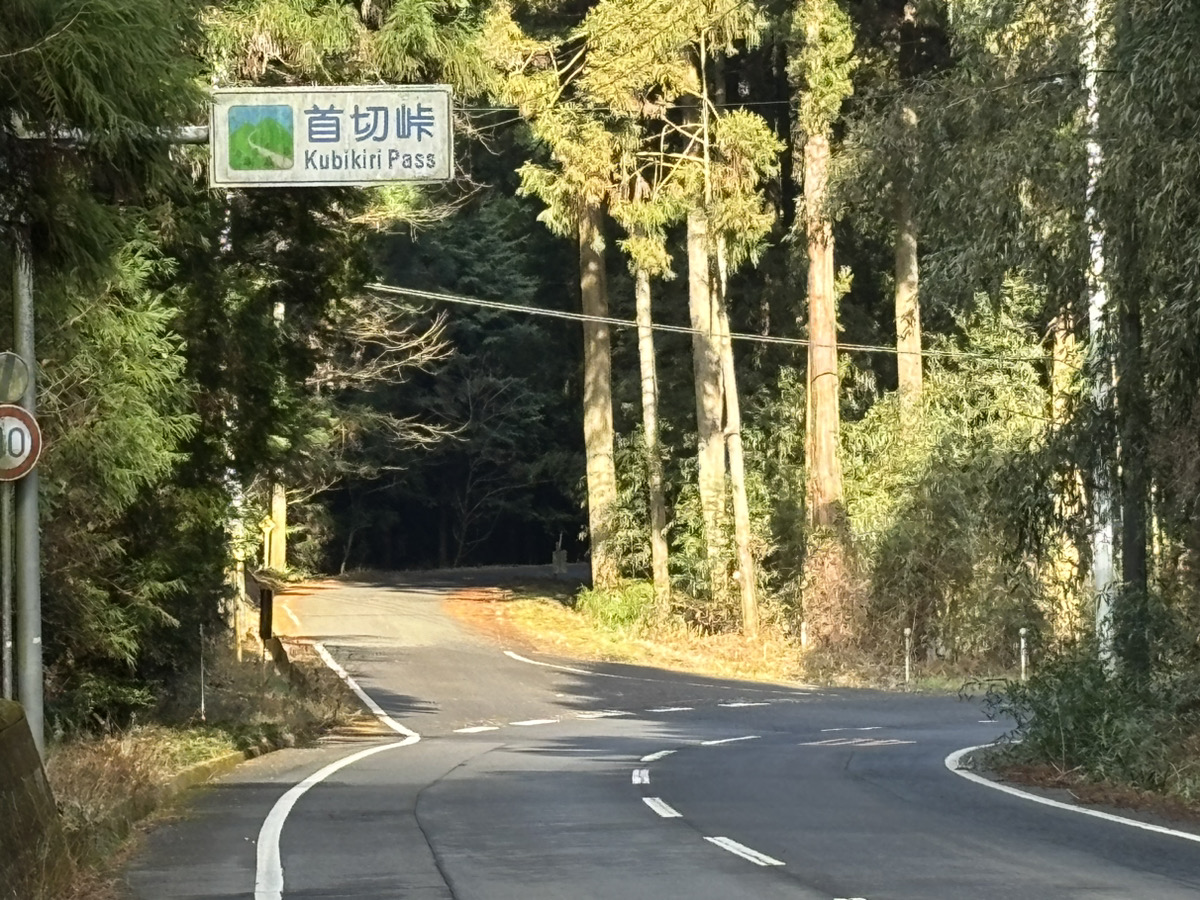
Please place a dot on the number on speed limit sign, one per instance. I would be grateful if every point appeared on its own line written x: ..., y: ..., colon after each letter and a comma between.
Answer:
x: 20, y: 442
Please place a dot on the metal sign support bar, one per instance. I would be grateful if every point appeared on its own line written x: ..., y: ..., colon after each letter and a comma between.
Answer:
x: 6, y: 591
x: 28, y: 551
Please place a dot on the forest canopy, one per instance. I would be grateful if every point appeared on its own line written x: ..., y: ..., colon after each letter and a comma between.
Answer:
x: 834, y: 318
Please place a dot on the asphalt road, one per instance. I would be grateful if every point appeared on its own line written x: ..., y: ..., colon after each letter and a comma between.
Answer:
x: 536, y: 778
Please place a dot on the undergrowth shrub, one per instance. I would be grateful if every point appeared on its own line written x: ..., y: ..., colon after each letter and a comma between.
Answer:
x: 939, y: 501
x: 691, y: 569
x: 1077, y: 716
x: 628, y: 607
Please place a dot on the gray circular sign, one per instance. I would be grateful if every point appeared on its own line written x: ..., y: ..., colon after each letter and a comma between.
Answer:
x: 14, y: 378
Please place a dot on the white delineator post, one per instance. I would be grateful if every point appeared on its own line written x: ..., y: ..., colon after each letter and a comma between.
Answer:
x: 907, y: 655
x: 1024, y: 653
x: 1102, y: 523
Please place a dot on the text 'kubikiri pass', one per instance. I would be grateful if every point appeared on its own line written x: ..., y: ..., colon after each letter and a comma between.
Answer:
x: 331, y: 136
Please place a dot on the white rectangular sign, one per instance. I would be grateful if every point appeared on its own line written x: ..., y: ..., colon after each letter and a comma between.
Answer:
x: 264, y: 137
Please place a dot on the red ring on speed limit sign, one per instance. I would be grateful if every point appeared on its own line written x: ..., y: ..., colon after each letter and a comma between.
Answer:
x: 20, y: 442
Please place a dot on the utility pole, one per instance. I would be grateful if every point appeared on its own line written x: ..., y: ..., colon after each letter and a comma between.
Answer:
x: 27, y: 567
x: 1102, y: 523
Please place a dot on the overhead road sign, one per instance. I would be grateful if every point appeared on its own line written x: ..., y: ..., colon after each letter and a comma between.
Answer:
x: 311, y: 136
x: 20, y: 442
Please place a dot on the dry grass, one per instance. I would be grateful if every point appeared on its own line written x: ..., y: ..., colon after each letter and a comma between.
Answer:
x: 536, y: 617
x: 105, y: 785
x: 545, y: 624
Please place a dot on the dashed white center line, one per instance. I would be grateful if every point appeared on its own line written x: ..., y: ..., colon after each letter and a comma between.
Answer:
x: 476, y: 729
x: 868, y: 728
x: 760, y: 859
x: 742, y: 703
x: 600, y: 714
x: 526, y: 722
x: 660, y: 807
x: 641, y: 776
x: 291, y: 615
x: 654, y: 757
x: 672, y: 709
x: 854, y: 742
x: 748, y: 737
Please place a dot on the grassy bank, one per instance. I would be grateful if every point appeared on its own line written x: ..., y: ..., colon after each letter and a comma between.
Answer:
x: 624, y: 626
x: 106, y: 784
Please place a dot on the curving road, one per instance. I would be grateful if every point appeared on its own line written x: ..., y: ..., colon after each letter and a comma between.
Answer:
x: 502, y: 776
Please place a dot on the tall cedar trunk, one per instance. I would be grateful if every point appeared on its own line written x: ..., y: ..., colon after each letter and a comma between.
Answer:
x: 654, y: 467
x: 824, y: 465
x: 737, y: 470
x: 597, y: 399
x: 706, y: 366
x: 908, y: 307
x: 277, y: 536
x: 1068, y: 501
x: 1131, y: 617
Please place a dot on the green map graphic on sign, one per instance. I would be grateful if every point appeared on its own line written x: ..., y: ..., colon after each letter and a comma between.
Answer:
x: 261, y: 137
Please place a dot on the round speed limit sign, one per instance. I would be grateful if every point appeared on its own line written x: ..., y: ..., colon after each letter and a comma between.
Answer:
x: 20, y: 442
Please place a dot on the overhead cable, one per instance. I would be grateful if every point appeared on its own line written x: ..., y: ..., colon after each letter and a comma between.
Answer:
x: 441, y: 297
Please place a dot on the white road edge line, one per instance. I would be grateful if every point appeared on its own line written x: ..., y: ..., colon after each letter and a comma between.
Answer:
x: 655, y: 757
x: 749, y: 737
x: 534, y: 662
x: 741, y: 703
x: 268, y: 876
x: 868, y: 728
x: 661, y: 807
x: 952, y: 763
x: 367, y: 700
x: 760, y: 859
x: 800, y: 689
x: 527, y: 722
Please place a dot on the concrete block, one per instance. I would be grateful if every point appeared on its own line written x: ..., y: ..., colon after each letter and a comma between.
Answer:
x: 31, y: 843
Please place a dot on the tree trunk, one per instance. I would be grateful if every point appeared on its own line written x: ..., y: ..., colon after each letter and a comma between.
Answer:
x: 908, y: 308
x: 654, y: 467
x: 443, y: 536
x: 1132, y: 615
x: 706, y: 366
x: 277, y: 536
x: 743, y: 536
x: 824, y: 465
x: 597, y: 399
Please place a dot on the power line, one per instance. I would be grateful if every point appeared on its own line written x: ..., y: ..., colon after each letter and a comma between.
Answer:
x: 461, y: 300
x: 729, y: 105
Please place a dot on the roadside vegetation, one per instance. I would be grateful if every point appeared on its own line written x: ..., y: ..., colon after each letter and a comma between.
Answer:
x: 869, y: 394
x: 110, y: 782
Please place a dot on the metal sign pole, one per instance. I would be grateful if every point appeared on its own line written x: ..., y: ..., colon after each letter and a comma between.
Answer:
x: 27, y: 544
x: 6, y: 589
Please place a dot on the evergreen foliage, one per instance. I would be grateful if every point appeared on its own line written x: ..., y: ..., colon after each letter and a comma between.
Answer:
x: 198, y: 347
